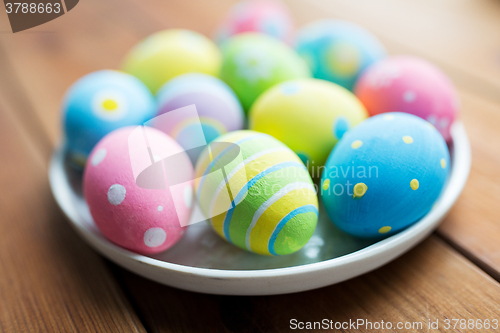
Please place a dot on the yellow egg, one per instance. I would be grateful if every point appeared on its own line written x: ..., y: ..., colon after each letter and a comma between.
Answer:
x: 169, y: 53
x: 308, y: 115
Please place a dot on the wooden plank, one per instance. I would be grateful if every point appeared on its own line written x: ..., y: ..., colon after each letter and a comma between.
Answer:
x: 431, y: 282
x: 97, y: 40
x: 472, y: 225
x: 50, y: 280
x: 49, y: 58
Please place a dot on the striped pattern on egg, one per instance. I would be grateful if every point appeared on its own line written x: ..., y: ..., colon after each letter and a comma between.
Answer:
x: 274, y: 207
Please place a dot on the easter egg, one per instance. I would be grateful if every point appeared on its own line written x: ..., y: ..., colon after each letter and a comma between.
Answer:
x: 169, y: 53
x: 138, y: 213
x: 253, y: 62
x: 271, y: 17
x: 274, y: 210
x: 338, y: 51
x: 308, y: 115
x: 384, y: 175
x: 412, y: 85
x: 99, y: 103
x: 218, y: 109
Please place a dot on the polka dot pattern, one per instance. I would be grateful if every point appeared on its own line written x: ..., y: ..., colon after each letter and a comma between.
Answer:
x: 123, y: 209
x: 420, y: 89
x: 154, y: 237
x: 401, y: 154
x: 326, y: 184
x: 116, y: 194
x: 338, y: 51
x: 356, y: 144
x: 407, y: 139
x: 98, y: 156
x: 384, y: 230
x: 359, y: 190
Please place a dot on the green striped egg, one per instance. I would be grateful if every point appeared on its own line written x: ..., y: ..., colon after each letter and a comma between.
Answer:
x: 273, y: 204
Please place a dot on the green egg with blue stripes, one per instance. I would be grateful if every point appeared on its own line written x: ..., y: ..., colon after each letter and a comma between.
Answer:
x: 273, y: 207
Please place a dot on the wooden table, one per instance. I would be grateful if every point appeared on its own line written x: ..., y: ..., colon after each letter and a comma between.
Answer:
x: 51, y: 281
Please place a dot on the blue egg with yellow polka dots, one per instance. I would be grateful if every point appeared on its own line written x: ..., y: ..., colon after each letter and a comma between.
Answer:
x: 338, y: 51
x: 384, y: 174
x: 99, y: 103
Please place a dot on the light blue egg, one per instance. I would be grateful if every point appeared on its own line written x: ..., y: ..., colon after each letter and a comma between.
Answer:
x: 99, y: 103
x: 338, y: 51
x: 384, y: 174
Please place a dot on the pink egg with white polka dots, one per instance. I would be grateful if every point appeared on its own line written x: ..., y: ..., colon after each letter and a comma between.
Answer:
x: 138, y: 186
x: 411, y: 85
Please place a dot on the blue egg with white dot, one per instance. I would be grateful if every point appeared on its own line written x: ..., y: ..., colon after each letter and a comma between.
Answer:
x: 338, y: 51
x: 384, y: 175
x: 99, y: 103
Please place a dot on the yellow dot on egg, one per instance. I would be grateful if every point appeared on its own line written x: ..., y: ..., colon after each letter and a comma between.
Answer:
x: 356, y: 144
x: 407, y: 139
x: 109, y: 105
x: 384, y: 230
x: 414, y: 184
x: 359, y: 190
x: 443, y: 163
x: 388, y: 117
x: 326, y: 184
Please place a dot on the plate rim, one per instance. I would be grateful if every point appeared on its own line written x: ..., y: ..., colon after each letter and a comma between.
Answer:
x: 460, y: 168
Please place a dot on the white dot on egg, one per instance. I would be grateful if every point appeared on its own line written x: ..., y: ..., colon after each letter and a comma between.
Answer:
x: 160, y: 208
x: 154, y: 237
x: 116, y: 194
x: 188, y: 196
x: 156, y: 158
x: 409, y: 96
x: 99, y: 156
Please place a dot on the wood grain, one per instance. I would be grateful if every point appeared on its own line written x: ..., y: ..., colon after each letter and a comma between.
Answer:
x: 50, y: 281
x: 97, y: 40
x: 431, y: 282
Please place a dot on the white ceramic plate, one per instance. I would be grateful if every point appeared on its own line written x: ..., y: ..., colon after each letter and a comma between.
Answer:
x: 203, y: 262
